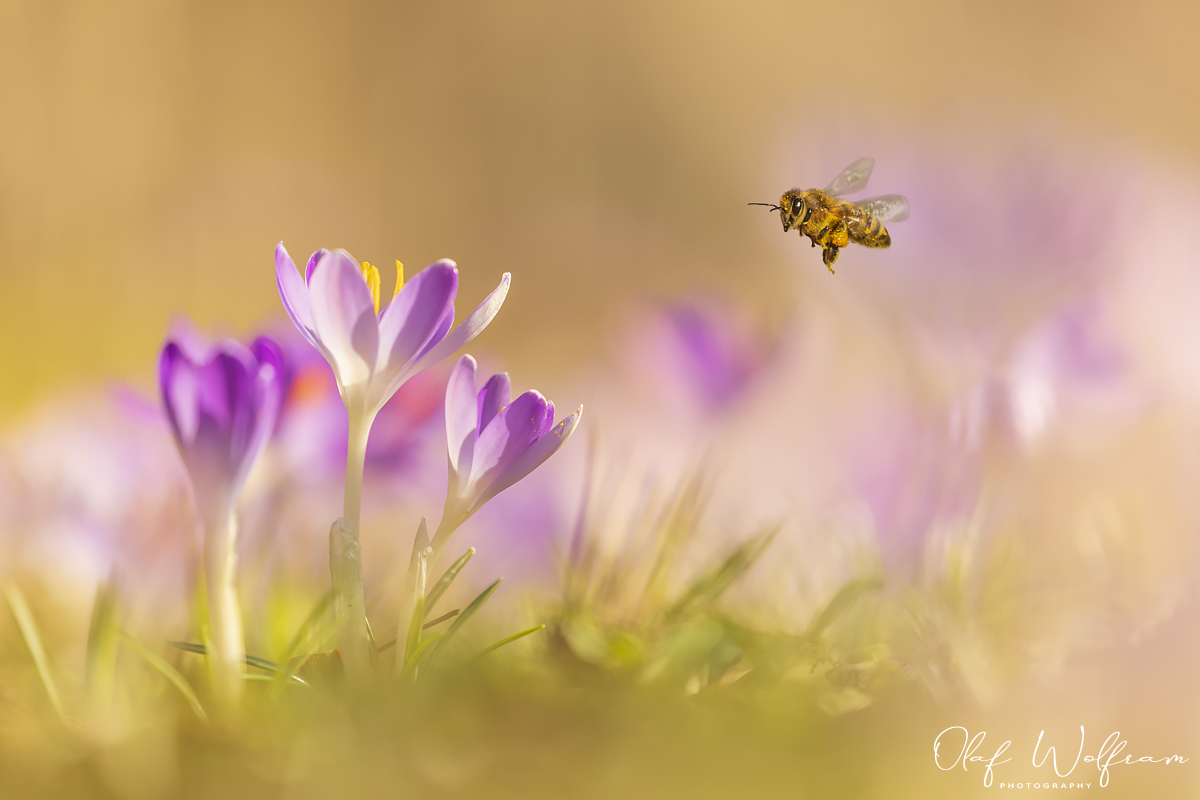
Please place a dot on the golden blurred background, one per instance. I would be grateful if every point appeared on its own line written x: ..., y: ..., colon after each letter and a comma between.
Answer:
x: 153, y: 153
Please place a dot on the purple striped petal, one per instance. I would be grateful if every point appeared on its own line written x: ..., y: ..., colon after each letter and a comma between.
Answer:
x: 461, y: 415
x: 418, y: 317
x: 495, y: 395
x: 533, y: 457
x: 471, y: 327
x: 344, y: 315
x: 506, y: 438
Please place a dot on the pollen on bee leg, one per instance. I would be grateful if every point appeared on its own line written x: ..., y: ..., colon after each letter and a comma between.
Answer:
x: 399, y: 278
x: 371, y: 276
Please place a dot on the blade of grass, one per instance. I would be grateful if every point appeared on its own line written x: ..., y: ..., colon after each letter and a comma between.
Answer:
x: 425, y: 627
x: 167, y: 671
x: 462, y: 618
x: 33, y: 641
x: 199, y: 649
x: 254, y: 676
x: 443, y: 583
x: 508, y: 640
x: 298, y: 641
x: 842, y: 601
x: 100, y: 662
x: 370, y: 632
x: 677, y: 528
x: 440, y: 620
x: 262, y: 663
x: 710, y: 587
x: 414, y: 629
x: 252, y: 661
x: 424, y: 648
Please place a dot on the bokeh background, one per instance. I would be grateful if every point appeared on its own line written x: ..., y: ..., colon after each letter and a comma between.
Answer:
x: 1027, y: 342
x: 154, y: 152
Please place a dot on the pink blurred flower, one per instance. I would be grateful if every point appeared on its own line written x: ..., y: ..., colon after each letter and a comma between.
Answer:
x: 702, y: 358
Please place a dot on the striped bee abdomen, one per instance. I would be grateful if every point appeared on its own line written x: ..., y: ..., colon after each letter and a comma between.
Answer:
x: 865, y: 228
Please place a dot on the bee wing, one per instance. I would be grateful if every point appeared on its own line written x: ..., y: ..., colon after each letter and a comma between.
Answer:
x: 853, y: 178
x: 886, y: 207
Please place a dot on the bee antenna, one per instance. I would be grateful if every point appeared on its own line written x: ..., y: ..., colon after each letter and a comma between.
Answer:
x: 772, y: 205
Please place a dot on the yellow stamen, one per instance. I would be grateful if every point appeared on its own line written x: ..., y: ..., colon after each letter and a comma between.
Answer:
x: 399, y: 278
x: 371, y: 276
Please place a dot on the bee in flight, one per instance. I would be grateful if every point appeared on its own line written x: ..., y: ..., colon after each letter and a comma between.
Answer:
x: 832, y: 223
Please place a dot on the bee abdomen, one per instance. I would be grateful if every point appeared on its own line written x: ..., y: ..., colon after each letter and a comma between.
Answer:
x: 868, y: 231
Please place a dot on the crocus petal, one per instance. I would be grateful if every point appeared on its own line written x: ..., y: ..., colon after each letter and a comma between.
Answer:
x: 176, y: 383
x: 201, y: 404
x: 313, y: 260
x: 270, y: 380
x: 423, y: 309
x: 509, y: 434
x: 267, y: 351
x: 228, y: 401
x: 461, y: 415
x: 495, y: 395
x: 471, y: 327
x: 268, y: 397
x: 293, y: 291
x: 344, y: 317
x: 194, y: 344
x: 546, y: 446
x: 221, y: 408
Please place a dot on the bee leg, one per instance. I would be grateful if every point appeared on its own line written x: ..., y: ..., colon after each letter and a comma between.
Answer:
x: 829, y: 255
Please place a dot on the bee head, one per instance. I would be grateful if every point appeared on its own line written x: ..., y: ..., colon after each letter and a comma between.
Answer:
x: 791, y: 210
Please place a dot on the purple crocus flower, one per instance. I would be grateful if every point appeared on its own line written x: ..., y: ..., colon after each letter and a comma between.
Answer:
x: 221, y: 406
x: 372, y: 352
x: 704, y: 356
x: 493, y: 442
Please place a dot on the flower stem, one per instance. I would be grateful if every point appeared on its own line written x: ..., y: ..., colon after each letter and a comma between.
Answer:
x: 227, y: 645
x: 345, y: 559
x: 451, y: 519
x: 408, y: 628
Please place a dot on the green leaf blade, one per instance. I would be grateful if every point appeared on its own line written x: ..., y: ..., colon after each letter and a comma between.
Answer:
x: 443, y: 583
x: 33, y: 641
x: 167, y: 671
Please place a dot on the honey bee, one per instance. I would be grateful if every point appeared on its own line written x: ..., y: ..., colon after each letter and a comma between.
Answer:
x: 833, y: 223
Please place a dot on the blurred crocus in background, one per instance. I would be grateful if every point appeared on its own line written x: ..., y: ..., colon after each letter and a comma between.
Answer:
x: 222, y: 404
x: 703, y: 355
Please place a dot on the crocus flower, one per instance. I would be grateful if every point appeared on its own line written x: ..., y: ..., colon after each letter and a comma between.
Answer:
x: 1069, y: 375
x: 312, y: 435
x: 221, y: 406
x: 372, y: 351
x: 493, y: 442
x: 704, y: 356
